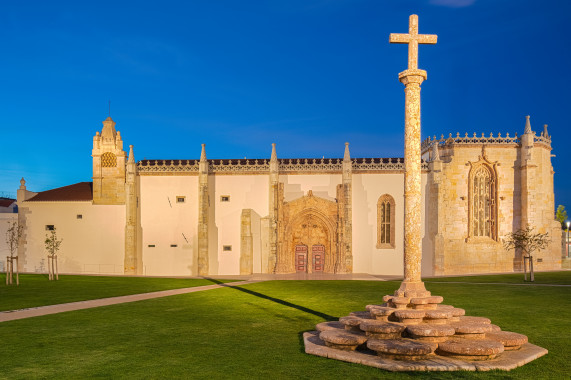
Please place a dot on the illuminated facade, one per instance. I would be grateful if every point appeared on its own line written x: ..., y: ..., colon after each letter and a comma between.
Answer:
x: 222, y: 217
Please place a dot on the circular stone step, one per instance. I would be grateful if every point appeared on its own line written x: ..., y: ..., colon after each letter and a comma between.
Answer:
x: 332, y: 325
x: 382, y: 330
x: 436, y: 299
x: 342, y: 339
x: 423, y: 303
x: 430, y: 333
x: 400, y: 302
x: 361, y: 314
x: 401, y: 349
x: 410, y: 316
x: 456, y: 314
x: 510, y: 340
x: 441, y: 306
x: 475, y: 319
x: 369, y: 307
x: 382, y: 313
x: 471, y: 330
x: 437, y: 316
x: 351, y: 322
x: 467, y: 349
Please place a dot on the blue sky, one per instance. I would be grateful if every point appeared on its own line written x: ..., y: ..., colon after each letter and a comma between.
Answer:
x: 239, y: 75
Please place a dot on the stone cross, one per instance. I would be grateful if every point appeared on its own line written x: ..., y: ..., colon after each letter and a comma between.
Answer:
x: 412, y: 286
x: 412, y: 39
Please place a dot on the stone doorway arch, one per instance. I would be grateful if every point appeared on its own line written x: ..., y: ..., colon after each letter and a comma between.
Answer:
x: 311, y: 238
x: 307, y: 227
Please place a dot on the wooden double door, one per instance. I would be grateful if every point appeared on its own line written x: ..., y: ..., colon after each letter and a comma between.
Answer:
x: 317, y: 258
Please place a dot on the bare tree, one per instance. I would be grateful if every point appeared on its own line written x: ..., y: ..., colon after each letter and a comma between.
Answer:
x: 528, y: 242
x: 13, y: 235
x: 52, y: 246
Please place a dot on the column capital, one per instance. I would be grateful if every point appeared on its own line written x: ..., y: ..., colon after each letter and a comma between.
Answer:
x: 412, y: 76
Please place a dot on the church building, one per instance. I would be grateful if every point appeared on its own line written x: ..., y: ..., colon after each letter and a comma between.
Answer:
x: 199, y: 217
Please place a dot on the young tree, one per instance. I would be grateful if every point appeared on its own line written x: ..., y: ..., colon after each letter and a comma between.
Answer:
x: 52, y: 246
x: 13, y: 235
x: 561, y: 215
x: 528, y: 242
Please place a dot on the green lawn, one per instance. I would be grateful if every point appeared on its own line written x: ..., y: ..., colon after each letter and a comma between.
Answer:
x: 555, y: 278
x: 255, y: 332
x: 35, y: 289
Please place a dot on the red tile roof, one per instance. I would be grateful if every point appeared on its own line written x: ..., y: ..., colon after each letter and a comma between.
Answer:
x: 6, y: 202
x: 82, y: 191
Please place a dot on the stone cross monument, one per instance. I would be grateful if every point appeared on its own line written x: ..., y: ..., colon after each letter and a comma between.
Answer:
x: 428, y: 335
x: 412, y: 78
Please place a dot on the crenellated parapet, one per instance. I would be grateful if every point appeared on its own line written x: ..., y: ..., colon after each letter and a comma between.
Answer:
x: 427, y: 144
x: 262, y: 166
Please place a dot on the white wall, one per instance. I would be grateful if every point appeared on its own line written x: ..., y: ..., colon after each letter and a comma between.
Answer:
x: 246, y: 192
x: 322, y: 185
x: 367, y: 258
x: 165, y: 222
x: 93, y: 244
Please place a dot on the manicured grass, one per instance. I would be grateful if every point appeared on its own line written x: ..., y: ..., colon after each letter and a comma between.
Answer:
x: 35, y: 289
x: 556, y: 278
x: 255, y: 332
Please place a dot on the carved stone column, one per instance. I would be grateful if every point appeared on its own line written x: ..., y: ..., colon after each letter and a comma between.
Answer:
x: 412, y: 181
x: 412, y: 286
x: 203, y: 202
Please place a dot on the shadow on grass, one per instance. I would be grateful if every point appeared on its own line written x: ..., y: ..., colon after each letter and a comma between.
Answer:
x: 327, y: 317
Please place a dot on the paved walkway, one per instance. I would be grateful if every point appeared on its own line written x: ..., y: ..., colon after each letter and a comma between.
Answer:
x: 12, y: 315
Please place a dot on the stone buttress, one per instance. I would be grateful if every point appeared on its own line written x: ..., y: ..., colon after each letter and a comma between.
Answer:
x: 203, y: 209
x: 133, y: 261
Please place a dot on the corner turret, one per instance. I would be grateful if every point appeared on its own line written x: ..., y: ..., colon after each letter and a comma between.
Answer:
x: 108, y: 166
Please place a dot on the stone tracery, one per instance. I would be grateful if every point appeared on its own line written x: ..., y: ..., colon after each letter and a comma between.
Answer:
x: 386, y: 222
x: 482, y: 199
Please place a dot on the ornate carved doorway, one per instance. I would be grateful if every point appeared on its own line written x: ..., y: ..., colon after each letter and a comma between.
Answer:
x: 307, y: 235
x: 311, y: 242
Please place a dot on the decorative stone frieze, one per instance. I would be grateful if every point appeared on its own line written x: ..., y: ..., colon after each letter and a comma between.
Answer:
x: 262, y: 166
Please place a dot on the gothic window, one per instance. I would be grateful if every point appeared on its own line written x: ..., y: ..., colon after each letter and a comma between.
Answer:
x: 385, y: 222
x: 482, y: 202
x: 108, y: 160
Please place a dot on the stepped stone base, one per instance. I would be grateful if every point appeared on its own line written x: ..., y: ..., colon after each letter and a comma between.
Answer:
x: 508, y: 360
x: 413, y: 331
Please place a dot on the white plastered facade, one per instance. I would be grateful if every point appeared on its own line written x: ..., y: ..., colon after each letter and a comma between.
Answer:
x: 245, y: 226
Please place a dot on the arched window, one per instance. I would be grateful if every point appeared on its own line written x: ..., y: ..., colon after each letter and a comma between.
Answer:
x: 385, y: 222
x: 482, y: 205
x: 108, y: 160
